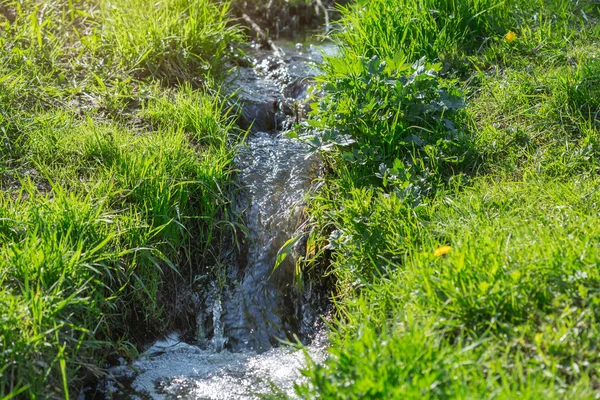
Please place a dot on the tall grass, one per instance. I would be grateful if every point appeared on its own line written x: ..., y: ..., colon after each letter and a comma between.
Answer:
x: 91, y: 245
x: 114, y: 187
x: 173, y: 40
x: 445, y: 30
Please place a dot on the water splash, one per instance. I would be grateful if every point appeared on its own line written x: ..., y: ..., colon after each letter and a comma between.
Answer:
x: 172, y: 369
x: 218, y: 340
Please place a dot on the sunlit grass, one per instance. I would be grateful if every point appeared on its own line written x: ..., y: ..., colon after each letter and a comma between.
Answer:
x: 115, y: 186
x: 486, y: 286
x: 175, y: 40
x: 509, y: 312
x: 100, y: 219
x: 451, y: 31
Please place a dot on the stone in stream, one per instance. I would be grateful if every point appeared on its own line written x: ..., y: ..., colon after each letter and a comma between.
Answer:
x: 272, y: 89
x: 257, y: 98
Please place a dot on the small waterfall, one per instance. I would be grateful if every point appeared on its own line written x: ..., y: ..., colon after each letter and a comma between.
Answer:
x: 261, y: 307
x: 218, y: 340
x: 256, y: 308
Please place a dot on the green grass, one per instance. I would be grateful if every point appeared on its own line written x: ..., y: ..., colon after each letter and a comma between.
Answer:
x: 175, y: 40
x: 508, y: 180
x: 542, y: 120
x: 454, y: 30
x: 510, y: 312
x: 115, y: 169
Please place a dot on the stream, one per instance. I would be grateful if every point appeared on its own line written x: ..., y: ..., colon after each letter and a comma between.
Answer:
x: 244, y: 321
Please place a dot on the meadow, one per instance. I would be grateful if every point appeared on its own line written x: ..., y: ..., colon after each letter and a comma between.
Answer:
x: 460, y: 210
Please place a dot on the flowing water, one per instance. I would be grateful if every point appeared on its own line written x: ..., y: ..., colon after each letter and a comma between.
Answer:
x: 245, y: 318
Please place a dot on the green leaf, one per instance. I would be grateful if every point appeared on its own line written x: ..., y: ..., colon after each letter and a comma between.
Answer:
x: 286, y: 249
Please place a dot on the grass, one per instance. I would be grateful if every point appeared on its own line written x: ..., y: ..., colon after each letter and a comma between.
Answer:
x: 458, y: 217
x: 172, y: 40
x: 509, y: 311
x: 452, y: 31
x: 115, y: 170
x: 459, y: 212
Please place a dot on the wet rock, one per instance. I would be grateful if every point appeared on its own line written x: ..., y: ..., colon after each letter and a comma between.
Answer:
x: 274, y: 89
x: 298, y: 89
x: 257, y: 99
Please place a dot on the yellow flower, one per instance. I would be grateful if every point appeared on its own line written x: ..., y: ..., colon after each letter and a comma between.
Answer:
x: 510, y: 36
x: 442, y: 251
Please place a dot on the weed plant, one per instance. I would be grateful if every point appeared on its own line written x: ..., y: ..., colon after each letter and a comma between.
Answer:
x: 460, y: 215
x: 396, y: 118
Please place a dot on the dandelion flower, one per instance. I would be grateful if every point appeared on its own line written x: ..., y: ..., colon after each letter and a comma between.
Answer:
x: 442, y: 251
x: 510, y: 37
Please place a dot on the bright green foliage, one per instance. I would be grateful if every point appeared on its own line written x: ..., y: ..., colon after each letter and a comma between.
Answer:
x: 114, y: 188
x: 510, y: 312
x: 486, y: 287
x: 72, y: 46
x: 450, y: 29
x: 391, y: 117
x: 172, y: 39
x: 542, y: 119
x: 103, y: 222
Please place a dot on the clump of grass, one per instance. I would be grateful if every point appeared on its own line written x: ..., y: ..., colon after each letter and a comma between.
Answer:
x: 540, y: 119
x: 175, y: 40
x: 94, y: 55
x: 584, y: 93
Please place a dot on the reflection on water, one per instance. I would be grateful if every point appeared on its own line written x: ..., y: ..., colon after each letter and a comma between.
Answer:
x: 261, y: 307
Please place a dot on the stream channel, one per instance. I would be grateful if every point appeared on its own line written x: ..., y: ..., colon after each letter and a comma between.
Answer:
x: 238, y: 352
